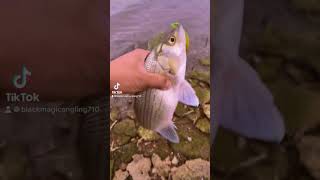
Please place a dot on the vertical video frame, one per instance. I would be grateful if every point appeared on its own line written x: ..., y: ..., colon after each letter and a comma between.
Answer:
x: 157, y: 132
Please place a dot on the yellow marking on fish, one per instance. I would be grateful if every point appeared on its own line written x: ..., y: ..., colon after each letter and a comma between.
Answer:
x: 174, y: 26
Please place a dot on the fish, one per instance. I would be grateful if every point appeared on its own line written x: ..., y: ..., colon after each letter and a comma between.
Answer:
x: 154, y: 108
x: 242, y: 102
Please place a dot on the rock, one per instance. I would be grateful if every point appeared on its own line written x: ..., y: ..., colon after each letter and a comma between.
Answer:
x: 200, y: 75
x: 194, y: 116
x: 114, y: 114
x: 193, y: 82
x: 180, y: 110
x: 125, y: 127
x: 154, y: 171
x: 309, y: 148
x: 299, y: 74
x: 124, y: 154
x: 297, y: 105
x: 139, y: 168
x: 189, y: 139
x: 162, y: 167
x: 111, y: 168
x: 175, y: 160
x: 309, y: 6
x: 148, y: 135
x: 203, y: 125
x: 300, y: 47
x: 205, y: 61
x: 192, y: 169
x: 131, y: 114
x: 173, y: 170
x: 203, y: 94
x: 191, y: 149
x: 269, y: 68
x: 121, y: 175
x: 206, y: 110
x: 124, y: 131
x: 123, y: 166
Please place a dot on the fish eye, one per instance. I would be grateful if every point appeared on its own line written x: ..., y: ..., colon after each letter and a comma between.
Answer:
x: 172, y: 40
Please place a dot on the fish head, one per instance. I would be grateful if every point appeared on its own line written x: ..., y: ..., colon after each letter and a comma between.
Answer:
x: 172, y: 50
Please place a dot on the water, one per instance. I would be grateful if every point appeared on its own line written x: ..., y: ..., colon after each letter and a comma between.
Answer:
x: 135, y: 21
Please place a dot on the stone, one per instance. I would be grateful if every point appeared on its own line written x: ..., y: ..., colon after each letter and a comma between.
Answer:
x: 203, y: 125
x: 111, y: 168
x: 123, y: 131
x: 124, y: 154
x: 206, y: 110
x: 148, y: 135
x: 125, y: 127
x: 180, y: 110
x: 121, y: 175
x: 309, y: 6
x: 123, y: 166
x: 299, y: 106
x: 309, y: 148
x: 139, y: 167
x: 300, y: 47
x: 194, y: 116
x: 269, y: 68
x: 205, y: 61
x: 162, y: 167
x: 114, y: 114
x: 299, y: 74
x: 175, y: 160
x: 200, y: 75
x: 131, y: 114
x: 191, y: 140
x: 192, y: 169
x: 203, y: 94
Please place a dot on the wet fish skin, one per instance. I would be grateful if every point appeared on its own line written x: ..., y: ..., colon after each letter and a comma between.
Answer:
x: 155, y: 108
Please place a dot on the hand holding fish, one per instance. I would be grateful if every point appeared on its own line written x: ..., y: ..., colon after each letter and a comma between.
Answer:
x: 128, y: 70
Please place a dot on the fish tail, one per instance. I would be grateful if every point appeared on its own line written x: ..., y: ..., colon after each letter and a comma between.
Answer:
x: 245, y: 105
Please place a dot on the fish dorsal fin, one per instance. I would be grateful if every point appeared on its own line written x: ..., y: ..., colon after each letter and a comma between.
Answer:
x: 169, y: 133
x: 187, y: 95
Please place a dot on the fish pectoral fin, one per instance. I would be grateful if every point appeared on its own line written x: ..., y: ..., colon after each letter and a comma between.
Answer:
x: 187, y: 95
x: 169, y: 133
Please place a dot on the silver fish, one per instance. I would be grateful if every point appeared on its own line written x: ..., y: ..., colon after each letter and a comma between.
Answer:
x: 155, y: 108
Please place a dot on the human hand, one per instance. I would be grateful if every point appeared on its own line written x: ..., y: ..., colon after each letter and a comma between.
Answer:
x: 128, y: 70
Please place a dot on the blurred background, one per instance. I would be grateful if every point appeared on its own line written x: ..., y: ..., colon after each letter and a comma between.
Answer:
x: 281, y: 41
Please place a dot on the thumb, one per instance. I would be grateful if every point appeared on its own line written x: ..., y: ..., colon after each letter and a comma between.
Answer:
x: 157, y: 81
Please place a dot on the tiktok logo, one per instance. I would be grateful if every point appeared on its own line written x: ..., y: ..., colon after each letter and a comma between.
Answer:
x: 20, y: 80
x: 116, y: 90
x: 116, y: 87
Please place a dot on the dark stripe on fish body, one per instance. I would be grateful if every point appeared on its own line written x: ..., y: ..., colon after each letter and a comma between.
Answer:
x: 147, y: 110
x: 154, y: 69
x: 141, y: 107
x: 146, y: 114
x: 159, y: 109
x: 152, y: 112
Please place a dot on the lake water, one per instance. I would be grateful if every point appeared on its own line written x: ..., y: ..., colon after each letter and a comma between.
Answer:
x: 133, y: 22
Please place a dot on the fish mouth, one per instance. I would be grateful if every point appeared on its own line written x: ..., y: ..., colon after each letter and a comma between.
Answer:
x: 181, y: 33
